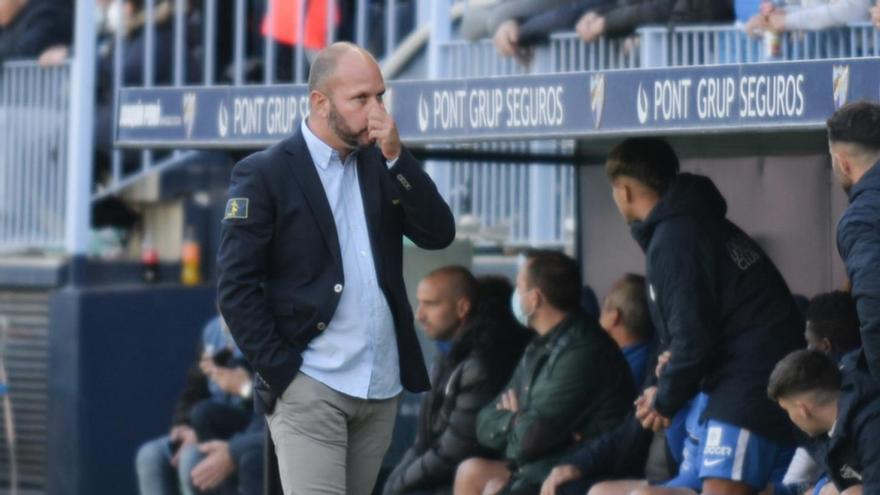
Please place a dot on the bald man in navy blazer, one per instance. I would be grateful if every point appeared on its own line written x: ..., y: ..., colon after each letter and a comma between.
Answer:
x: 311, y: 280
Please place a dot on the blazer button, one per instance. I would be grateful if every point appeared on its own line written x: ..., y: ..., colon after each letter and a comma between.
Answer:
x: 322, y: 325
x: 337, y: 288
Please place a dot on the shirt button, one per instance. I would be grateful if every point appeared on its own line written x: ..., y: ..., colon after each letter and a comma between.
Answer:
x: 337, y: 288
x: 322, y: 325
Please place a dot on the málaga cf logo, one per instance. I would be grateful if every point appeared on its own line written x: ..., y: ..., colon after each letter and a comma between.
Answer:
x: 597, y: 98
x: 840, y: 85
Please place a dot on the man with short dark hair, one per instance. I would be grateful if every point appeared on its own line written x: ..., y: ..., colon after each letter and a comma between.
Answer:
x: 840, y: 412
x: 854, y: 143
x: 572, y: 381
x: 719, y: 306
x: 832, y: 324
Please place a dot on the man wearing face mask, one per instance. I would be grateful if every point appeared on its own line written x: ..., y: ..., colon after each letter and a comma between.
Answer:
x: 310, y: 270
x: 854, y: 142
x: 572, y: 382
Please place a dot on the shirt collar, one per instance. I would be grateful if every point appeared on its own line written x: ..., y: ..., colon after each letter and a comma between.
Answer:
x: 321, y: 152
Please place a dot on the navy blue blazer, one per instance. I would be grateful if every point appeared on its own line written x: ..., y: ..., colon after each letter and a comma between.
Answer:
x: 279, y: 264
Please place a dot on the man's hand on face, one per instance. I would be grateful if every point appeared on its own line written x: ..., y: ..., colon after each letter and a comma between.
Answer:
x: 215, y: 468
x: 383, y: 131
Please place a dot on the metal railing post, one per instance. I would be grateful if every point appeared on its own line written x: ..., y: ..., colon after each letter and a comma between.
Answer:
x: 79, y: 159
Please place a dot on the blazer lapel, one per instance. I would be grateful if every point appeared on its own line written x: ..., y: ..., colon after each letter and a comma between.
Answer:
x: 310, y: 184
x: 369, y: 179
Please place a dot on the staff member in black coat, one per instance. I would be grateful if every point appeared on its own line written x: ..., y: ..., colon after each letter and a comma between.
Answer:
x: 310, y: 277
x: 474, y: 320
x: 719, y: 305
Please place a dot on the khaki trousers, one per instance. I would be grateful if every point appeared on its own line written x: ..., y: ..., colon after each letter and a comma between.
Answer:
x: 328, y: 442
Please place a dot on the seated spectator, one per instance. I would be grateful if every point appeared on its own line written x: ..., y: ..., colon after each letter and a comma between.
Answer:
x: 538, y: 28
x: 572, y: 382
x: 814, y: 16
x: 474, y: 318
x: 30, y: 27
x: 624, y: 18
x: 840, y: 412
x: 215, y: 405
x: 233, y: 466
x: 501, y: 21
x: 625, y: 317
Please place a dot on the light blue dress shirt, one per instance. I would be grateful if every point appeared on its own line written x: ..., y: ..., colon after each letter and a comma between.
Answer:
x: 357, y: 353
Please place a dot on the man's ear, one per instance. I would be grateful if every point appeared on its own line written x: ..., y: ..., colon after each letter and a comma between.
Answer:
x: 827, y: 347
x: 804, y: 409
x: 616, y: 316
x: 319, y: 103
x: 844, y: 163
x: 628, y: 192
x: 462, y: 307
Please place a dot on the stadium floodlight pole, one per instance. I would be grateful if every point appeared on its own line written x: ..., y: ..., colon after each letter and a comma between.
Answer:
x: 80, y: 137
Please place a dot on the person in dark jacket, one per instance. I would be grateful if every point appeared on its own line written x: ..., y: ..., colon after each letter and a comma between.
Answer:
x: 719, y: 306
x: 472, y: 320
x: 572, y: 382
x: 30, y: 27
x: 854, y: 142
x: 839, y: 411
x: 622, y: 19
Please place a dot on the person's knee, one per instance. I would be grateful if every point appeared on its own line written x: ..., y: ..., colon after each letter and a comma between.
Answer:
x: 717, y: 486
x: 151, y: 456
x: 469, y: 469
x: 190, y: 456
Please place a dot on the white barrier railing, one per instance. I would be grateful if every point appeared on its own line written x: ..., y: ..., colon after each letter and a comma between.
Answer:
x: 34, y: 106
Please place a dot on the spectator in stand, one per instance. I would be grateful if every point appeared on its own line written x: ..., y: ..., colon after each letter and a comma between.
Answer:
x: 479, y: 343
x: 572, y: 382
x: 502, y: 20
x: 839, y: 411
x: 624, y: 18
x: 854, y: 143
x: 814, y: 16
x: 215, y: 406
x: 28, y: 28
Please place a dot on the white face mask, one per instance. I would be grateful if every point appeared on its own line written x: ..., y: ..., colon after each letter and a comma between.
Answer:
x: 518, y: 312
